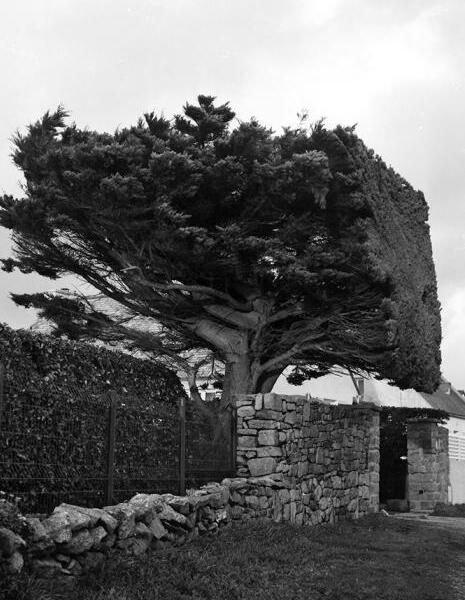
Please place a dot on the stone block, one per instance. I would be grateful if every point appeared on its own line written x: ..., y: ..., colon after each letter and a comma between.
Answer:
x: 293, y: 511
x: 323, y: 503
x: 273, y: 415
x: 245, y: 411
x: 268, y: 451
x: 336, y: 482
x: 295, y: 494
x: 180, y: 504
x: 171, y: 517
x: 125, y: 514
x: 10, y: 542
x: 157, y: 528
x: 286, y: 512
x: 284, y: 496
x: 236, y: 497
x: 35, y: 531
x: 58, y: 527
x: 81, y: 541
x: 302, y: 469
x: 353, y: 505
x: 252, y: 502
x: 352, y: 479
x: 306, y: 412
x: 15, y: 563
x: 246, y: 441
x: 243, y: 402
x: 263, y: 502
x: 261, y: 466
x: 97, y: 516
x: 98, y: 534
x: 315, y: 517
x: 236, y: 512
x: 77, y: 518
x: 258, y: 402
x: 319, y: 455
x: 143, y: 531
x: 268, y: 437
x: 108, y: 542
x: 272, y: 402
x: 262, y: 424
x: 292, y: 418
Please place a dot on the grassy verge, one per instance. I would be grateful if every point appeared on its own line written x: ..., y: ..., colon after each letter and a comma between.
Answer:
x: 376, y: 558
x: 449, y: 510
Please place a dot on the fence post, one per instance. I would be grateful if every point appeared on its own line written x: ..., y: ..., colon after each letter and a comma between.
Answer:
x: 110, y: 449
x: 182, y: 445
x: 2, y: 379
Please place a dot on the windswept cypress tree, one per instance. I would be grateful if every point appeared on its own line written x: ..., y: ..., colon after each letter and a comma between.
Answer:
x: 300, y: 249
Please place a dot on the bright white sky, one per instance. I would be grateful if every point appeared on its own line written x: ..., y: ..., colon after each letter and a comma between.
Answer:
x: 395, y: 67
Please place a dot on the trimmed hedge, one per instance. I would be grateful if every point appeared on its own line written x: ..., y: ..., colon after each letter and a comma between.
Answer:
x: 53, y: 430
x: 40, y: 360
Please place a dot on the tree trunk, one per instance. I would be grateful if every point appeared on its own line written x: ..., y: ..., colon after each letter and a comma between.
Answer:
x: 238, y: 378
x: 266, y: 383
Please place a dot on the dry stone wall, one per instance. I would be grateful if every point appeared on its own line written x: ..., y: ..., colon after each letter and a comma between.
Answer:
x: 75, y: 539
x: 428, y: 464
x: 305, y: 462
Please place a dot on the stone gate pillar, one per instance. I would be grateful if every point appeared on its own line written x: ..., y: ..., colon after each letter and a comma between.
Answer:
x: 428, y: 463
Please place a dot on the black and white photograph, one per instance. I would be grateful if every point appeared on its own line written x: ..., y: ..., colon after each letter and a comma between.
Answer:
x: 232, y: 300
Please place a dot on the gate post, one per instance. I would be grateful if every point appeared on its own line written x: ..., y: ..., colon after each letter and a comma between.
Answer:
x: 111, y: 433
x: 428, y: 463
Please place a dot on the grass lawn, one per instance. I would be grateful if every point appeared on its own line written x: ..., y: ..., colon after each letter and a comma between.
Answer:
x: 450, y: 510
x: 376, y: 558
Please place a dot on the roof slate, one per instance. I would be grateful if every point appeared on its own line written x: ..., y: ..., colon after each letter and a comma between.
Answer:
x: 453, y: 403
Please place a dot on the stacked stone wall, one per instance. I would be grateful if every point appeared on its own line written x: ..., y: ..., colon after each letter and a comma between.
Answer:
x: 75, y: 539
x: 428, y: 464
x: 304, y: 461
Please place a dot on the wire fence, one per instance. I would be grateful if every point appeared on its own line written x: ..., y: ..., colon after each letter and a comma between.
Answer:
x: 71, y: 445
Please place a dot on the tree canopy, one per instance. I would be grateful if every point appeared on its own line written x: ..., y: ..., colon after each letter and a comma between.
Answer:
x: 268, y: 250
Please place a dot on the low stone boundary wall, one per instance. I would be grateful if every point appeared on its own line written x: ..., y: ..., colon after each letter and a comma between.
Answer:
x: 74, y: 539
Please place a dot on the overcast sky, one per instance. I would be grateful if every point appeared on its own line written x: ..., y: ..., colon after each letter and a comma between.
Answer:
x: 394, y: 67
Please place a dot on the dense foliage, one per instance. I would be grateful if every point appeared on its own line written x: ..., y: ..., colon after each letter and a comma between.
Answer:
x: 267, y: 250
x: 55, y: 417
